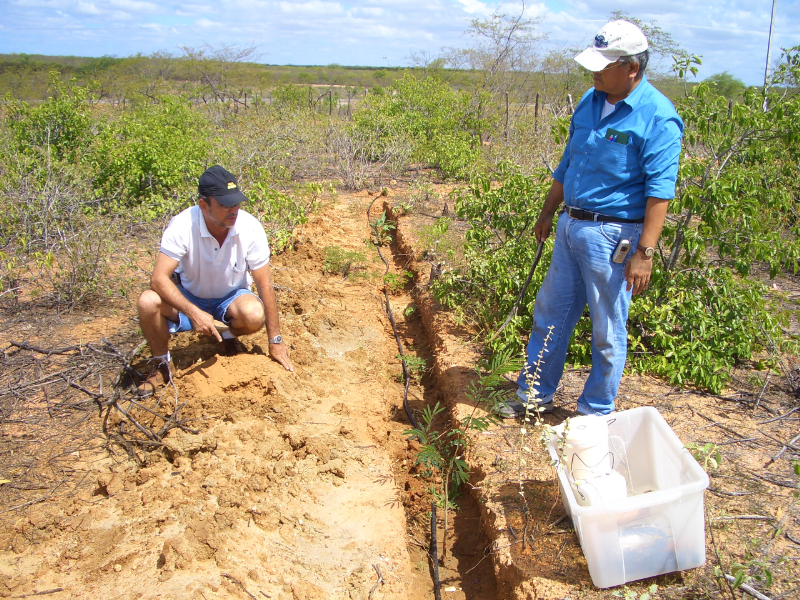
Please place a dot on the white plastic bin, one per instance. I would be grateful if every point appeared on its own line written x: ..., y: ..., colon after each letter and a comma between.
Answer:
x: 660, y: 527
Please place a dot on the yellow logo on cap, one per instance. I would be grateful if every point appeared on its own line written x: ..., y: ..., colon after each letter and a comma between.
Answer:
x: 231, y: 185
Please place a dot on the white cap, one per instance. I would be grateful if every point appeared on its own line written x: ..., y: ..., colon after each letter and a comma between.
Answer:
x: 614, y: 40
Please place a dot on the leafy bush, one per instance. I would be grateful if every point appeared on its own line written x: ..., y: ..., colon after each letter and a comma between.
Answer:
x: 279, y: 212
x: 692, y: 326
x: 444, y: 130
x: 60, y: 127
x: 152, y: 155
x: 498, y: 251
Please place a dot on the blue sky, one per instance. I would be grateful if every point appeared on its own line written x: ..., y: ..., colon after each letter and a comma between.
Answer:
x: 730, y: 34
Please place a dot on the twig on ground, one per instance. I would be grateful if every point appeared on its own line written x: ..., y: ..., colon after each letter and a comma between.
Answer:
x: 746, y: 588
x: 743, y: 518
x: 779, y: 417
x: 42, y: 593
x: 763, y: 389
x: 239, y: 584
x: 377, y: 583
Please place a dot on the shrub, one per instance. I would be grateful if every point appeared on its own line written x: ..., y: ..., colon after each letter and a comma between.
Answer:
x: 60, y: 127
x: 498, y: 251
x: 279, y: 212
x: 152, y: 156
x: 52, y: 244
x: 439, y: 121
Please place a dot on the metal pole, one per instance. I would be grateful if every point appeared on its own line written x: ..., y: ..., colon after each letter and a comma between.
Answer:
x: 769, y: 55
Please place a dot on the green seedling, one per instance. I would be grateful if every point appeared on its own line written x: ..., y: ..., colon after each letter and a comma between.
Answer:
x: 708, y: 455
x: 381, y: 230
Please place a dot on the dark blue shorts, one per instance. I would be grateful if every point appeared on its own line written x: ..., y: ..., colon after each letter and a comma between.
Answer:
x: 216, y: 307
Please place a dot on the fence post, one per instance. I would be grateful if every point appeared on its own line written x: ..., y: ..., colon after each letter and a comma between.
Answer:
x: 536, y: 114
x: 330, y: 102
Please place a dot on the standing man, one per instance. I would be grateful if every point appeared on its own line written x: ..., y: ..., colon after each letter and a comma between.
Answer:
x: 616, y: 178
x: 210, y: 255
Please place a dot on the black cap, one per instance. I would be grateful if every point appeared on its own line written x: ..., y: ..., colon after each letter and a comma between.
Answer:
x: 220, y: 184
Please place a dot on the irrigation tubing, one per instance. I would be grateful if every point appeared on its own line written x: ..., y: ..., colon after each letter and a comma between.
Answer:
x: 406, y: 374
x: 435, y: 553
x: 521, y: 292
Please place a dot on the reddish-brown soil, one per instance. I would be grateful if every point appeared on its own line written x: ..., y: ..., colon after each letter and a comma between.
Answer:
x: 303, y: 485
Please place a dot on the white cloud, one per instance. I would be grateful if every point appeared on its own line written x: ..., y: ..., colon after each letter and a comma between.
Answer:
x: 135, y: 6
x: 475, y: 6
x: 204, y: 23
x: 313, y: 7
x: 186, y: 9
x: 120, y: 15
x: 373, y: 11
x: 88, y: 8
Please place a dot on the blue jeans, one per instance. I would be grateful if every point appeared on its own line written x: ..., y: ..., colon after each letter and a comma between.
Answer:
x: 581, y: 272
x: 216, y: 307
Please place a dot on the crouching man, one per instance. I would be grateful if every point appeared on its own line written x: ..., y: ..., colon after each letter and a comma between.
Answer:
x: 210, y: 255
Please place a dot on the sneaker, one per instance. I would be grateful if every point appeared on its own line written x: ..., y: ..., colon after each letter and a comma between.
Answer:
x: 515, y: 409
x: 159, y: 378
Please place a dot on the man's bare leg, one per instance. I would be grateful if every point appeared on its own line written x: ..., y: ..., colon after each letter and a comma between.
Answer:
x: 153, y: 315
x: 246, y: 314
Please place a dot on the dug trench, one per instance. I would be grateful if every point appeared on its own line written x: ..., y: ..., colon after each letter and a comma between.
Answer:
x: 513, y: 494
x: 286, y: 485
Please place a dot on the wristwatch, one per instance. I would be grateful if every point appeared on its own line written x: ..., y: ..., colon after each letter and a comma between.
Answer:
x: 647, y: 250
x: 278, y: 339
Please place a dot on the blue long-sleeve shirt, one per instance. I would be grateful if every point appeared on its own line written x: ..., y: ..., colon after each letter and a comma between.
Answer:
x: 615, y: 178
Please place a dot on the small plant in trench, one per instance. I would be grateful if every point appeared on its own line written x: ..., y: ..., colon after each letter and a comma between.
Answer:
x: 395, y: 282
x: 442, y: 452
x: 416, y: 365
x: 381, y: 230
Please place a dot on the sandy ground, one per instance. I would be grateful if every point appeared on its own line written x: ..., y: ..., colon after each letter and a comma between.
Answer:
x: 302, y: 486
x: 287, y: 490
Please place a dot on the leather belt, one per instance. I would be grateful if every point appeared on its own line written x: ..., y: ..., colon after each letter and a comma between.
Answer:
x: 585, y: 215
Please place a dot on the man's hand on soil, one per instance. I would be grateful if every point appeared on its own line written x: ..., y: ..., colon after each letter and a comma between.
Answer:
x: 280, y: 354
x: 637, y: 273
x: 202, y: 322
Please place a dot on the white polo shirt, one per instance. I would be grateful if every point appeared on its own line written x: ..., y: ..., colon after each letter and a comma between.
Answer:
x: 207, y: 269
